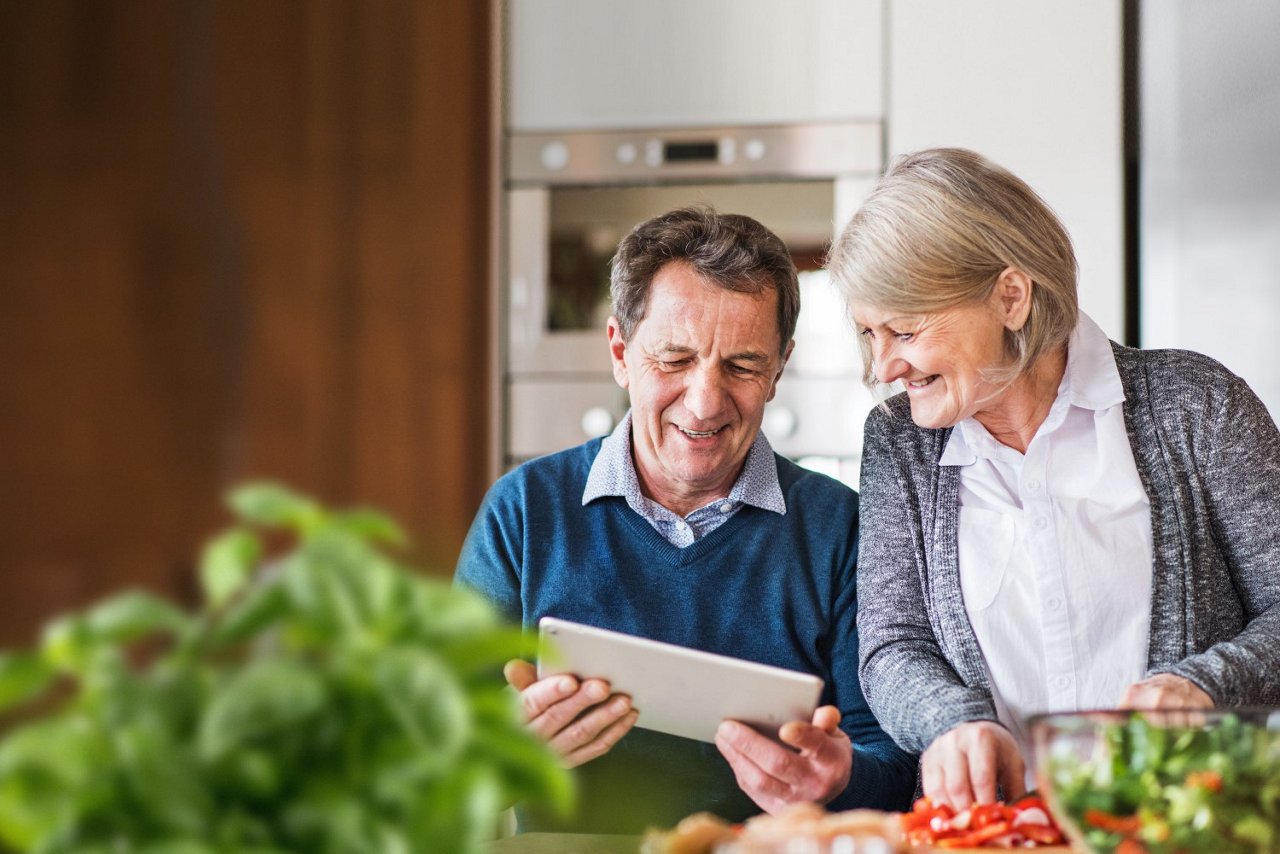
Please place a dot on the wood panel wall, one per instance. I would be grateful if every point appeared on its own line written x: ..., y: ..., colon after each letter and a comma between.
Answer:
x: 238, y: 239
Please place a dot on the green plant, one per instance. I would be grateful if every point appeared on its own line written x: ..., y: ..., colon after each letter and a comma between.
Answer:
x: 331, y: 702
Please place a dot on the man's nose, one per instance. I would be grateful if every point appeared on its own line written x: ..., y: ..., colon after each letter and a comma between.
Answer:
x: 704, y: 392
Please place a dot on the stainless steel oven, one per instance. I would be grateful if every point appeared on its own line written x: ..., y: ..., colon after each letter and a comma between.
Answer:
x: 569, y: 198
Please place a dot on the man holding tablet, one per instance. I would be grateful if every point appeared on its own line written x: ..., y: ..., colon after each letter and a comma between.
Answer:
x: 684, y: 527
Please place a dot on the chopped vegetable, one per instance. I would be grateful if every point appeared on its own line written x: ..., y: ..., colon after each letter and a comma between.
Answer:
x: 1160, y: 789
x: 1024, y: 824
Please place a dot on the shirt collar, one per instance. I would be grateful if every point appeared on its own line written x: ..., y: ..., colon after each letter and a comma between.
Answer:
x: 1091, y: 381
x: 613, y: 473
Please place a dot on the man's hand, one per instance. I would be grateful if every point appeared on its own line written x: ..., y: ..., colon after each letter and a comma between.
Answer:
x: 1165, y: 691
x: 581, y: 721
x: 964, y: 765
x: 774, y: 776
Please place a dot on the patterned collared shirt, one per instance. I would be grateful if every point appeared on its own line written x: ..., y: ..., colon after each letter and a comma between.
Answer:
x: 614, y: 473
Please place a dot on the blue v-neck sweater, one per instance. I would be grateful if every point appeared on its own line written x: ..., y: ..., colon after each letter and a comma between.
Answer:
x: 777, y: 589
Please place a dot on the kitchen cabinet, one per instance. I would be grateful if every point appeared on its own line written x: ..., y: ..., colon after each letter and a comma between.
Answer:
x: 618, y: 64
x: 1036, y: 87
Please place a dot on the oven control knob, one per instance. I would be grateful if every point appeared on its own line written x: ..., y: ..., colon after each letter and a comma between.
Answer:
x: 754, y: 149
x: 597, y: 421
x: 780, y: 422
x: 555, y: 155
x: 627, y: 153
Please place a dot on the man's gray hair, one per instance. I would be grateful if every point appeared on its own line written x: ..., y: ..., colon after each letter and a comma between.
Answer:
x: 730, y: 250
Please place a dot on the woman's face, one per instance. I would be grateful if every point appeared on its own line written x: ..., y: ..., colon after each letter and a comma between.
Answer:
x: 940, y: 357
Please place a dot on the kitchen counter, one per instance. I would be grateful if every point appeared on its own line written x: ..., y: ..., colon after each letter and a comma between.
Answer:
x: 587, y: 843
x: 567, y: 843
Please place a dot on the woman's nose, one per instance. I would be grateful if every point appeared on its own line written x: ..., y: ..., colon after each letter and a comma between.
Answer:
x: 889, y: 367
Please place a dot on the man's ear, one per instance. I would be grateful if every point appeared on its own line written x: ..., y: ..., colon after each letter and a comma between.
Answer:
x: 1012, y: 297
x: 617, y: 353
x: 773, y: 389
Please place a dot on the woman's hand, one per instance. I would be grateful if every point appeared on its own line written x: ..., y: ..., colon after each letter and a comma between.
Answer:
x: 1165, y: 691
x: 964, y: 765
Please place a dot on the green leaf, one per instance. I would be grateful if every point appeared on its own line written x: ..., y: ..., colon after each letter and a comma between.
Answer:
x: 441, y: 611
x: 426, y: 700
x: 45, y: 768
x: 369, y: 525
x: 227, y: 565
x: 23, y: 676
x: 459, y: 813
x: 271, y: 505
x: 486, y: 652
x: 530, y: 771
x: 164, y: 780
x: 263, y: 605
x: 268, y: 698
x: 65, y: 642
x: 133, y: 615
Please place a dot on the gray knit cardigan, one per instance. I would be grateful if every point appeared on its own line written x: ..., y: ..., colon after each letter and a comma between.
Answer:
x: 1208, y: 454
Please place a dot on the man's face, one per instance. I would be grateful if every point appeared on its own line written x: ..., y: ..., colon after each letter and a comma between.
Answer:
x: 699, y: 368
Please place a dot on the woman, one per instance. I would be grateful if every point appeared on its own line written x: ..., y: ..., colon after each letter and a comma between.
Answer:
x: 1049, y: 521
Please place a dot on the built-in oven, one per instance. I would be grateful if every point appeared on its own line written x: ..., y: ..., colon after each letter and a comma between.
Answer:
x: 569, y: 198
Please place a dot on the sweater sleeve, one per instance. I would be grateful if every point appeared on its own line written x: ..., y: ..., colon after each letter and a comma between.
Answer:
x: 884, y: 775
x: 909, y: 684
x: 1242, y: 482
x: 491, y: 562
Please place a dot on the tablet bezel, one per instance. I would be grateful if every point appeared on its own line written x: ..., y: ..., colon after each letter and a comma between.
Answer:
x: 678, y: 690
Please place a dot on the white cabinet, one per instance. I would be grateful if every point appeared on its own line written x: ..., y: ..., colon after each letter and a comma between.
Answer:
x: 623, y: 64
x: 1037, y: 87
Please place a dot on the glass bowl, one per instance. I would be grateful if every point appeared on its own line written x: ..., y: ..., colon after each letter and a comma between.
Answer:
x: 1162, y: 781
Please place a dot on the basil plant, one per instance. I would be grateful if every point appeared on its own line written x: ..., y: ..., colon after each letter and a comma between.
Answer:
x: 326, y: 700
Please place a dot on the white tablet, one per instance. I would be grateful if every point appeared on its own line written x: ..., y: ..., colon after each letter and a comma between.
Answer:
x: 678, y: 690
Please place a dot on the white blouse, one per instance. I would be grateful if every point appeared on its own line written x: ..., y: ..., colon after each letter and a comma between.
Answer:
x: 1055, y: 549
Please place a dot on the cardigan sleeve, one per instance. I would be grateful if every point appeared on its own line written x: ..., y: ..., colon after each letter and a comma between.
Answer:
x: 884, y: 775
x: 1242, y: 486
x: 909, y: 684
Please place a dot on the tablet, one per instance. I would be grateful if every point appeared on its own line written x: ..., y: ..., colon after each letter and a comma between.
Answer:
x: 678, y: 690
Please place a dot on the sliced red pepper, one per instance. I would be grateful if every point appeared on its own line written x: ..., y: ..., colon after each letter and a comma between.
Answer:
x: 976, y: 838
x: 982, y: 815
x: 1210, y: 780
x: 1123, y: 825
x: 1030, y: 802
x: 1041, y: 834
x: 1130, y: 846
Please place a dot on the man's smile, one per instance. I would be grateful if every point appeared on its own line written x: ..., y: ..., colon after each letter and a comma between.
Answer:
x: 699, y: 434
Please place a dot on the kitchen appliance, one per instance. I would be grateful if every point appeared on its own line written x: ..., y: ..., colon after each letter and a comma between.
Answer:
x: 570, y: 197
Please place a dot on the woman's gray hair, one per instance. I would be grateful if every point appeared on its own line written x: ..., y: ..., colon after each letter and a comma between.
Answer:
x: 938, y: 230
x: 733, y: 251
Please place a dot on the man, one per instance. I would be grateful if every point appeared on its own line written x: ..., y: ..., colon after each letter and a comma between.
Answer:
x: 685, y: 527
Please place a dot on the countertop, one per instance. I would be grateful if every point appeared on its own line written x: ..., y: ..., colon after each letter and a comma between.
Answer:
x: 587, y: 843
